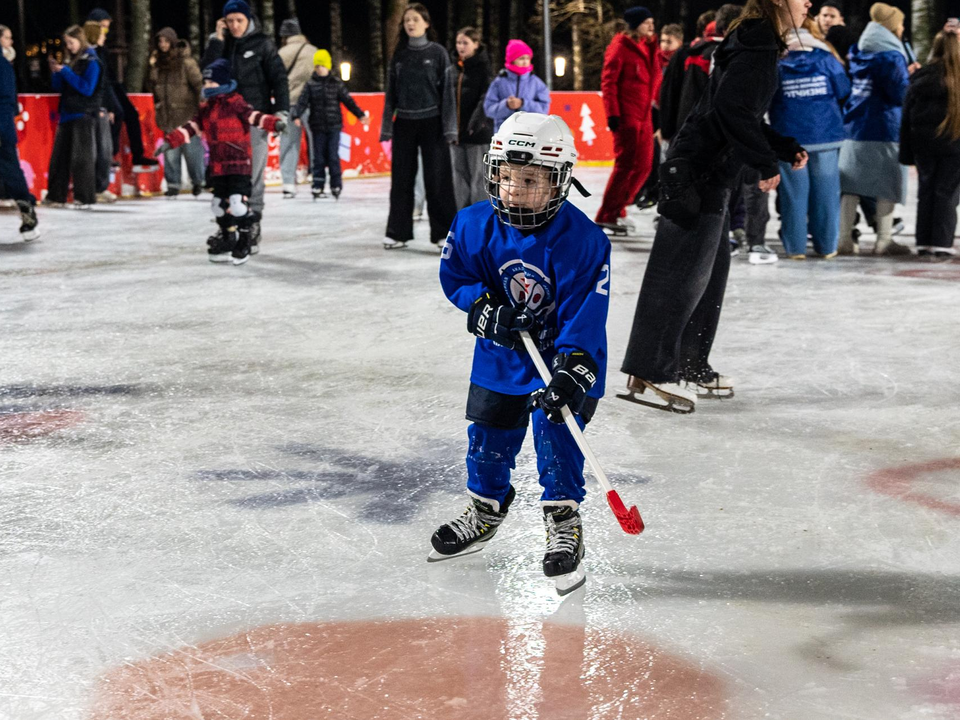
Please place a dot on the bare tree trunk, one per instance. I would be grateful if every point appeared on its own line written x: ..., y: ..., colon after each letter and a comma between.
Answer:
x: 139, y: 44
x: 266, y: 17
x: 74, y: 12
x: 292, y: 8
x: 478, y: 17
x: 392, y: 17
x: 376, y: 42
x: 922, y: 30
x: 515, y: 12
x: 451, y: 23
x: 336, y: 32
x: 576, y: 40
x: 208, y: 26
x: 193, y: 15
x: 493, y: 37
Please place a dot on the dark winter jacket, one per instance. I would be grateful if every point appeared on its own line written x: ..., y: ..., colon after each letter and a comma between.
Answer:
x: 726, y: 132
x: 686, y: 80
x: 255, y: 65
x: 630, y: 80
x: 322, y: 97
x: 529, y: 88
x: 110, y: 100
x: 176, y: 83
x: 923, y: 111
x: 225, y: 121
x: 419, y: 87
x: 80, y: 86
x: 471, y: 78
x: 813, y: 87
x: 8, y: 103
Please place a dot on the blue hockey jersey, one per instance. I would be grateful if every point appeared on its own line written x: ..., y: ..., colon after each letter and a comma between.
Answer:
x: 560, y: 272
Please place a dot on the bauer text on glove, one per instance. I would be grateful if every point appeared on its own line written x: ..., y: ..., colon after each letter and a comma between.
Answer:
x: 574, y: 374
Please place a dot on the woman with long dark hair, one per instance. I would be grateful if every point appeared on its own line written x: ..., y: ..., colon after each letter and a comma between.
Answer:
x: 419, y: 115
x: 667, y: 358
x: 471, y: 78
x: 80, y: 84
x: 930, y: 139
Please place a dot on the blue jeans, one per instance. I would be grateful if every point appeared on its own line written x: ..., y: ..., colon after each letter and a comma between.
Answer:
x: 172, y: 171
x: 810, y: 204
x: 326, y: 155
x: 493, y: 451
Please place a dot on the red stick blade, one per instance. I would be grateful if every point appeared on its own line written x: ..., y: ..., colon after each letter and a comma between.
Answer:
x: 629, y: 520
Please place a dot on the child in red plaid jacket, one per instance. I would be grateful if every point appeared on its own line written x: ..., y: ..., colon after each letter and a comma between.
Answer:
x: 225, y: 120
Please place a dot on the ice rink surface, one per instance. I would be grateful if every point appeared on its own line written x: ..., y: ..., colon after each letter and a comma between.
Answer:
x: 219, y: 485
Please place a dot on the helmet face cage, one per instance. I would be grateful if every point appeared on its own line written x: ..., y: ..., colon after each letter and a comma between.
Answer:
x: 531, y: 199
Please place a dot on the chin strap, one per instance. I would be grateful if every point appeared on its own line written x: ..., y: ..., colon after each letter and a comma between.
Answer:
x: 580, y: 188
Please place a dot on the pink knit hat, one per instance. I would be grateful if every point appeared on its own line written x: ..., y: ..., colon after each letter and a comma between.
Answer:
x: 516, y: 48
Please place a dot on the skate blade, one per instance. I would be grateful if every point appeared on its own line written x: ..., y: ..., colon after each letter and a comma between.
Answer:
x: 680, y: 408
x: 434, y: 556
x: 715, y: 394
x: 394, y: 246
x: 566, y: 584
x: 220, y: 258
x: 30, y: 235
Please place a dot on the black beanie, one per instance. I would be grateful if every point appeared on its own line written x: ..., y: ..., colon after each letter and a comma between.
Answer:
x: 636, y: 16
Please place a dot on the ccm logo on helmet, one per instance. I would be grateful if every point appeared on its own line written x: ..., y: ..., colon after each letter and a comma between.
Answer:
x: 521, y: 143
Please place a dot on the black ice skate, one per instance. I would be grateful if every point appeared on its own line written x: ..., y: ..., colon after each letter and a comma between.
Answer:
x: 674, y: 397
x: 469, y: 533
x: 241, y: 251
x: 220, y: 245
x: 318, y: 193
x: 28, y: 221
x: 564, y: 558
x: 254, y: 232
x: 336, y: 193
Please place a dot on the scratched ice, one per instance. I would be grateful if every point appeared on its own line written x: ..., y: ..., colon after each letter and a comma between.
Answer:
x: 196, y: 459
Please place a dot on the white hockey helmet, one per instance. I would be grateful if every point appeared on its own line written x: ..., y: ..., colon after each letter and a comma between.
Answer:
x: 531, y: 139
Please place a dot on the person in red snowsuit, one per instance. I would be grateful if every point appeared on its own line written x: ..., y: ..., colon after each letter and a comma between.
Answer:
x: 630, y: 82
x: 225, y: 119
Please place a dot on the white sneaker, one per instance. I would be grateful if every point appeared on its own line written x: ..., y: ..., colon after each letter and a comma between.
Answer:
x: 106, y: 197
x: 391, y: 244
x: 289, y: 192
x: 761, y: 255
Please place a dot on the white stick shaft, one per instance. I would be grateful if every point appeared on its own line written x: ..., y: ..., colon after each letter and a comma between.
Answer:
x: 568, y: 417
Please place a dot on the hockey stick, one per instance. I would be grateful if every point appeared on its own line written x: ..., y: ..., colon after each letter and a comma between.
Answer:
x: 629, y: 520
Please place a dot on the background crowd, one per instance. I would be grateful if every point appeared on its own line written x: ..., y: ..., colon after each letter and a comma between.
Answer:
x: 861, y: 105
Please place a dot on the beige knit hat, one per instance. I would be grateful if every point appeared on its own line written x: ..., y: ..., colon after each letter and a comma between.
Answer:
x: 887, y: 15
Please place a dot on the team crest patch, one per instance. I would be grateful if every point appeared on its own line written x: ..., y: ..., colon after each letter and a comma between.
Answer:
x: 527, y: 285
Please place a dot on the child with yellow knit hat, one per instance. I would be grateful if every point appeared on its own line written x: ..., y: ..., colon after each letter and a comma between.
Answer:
x: 322, y: 96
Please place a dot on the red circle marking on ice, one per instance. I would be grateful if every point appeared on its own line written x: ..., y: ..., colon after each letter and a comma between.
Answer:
x: 30, y: 425
x: 434, y: 669
x: 898, y: 483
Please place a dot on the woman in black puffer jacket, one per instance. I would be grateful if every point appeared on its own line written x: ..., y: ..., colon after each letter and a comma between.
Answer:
x: 667, y: 358
x: 471, y: 78
x: 930, y: 139
x: 419, y: 116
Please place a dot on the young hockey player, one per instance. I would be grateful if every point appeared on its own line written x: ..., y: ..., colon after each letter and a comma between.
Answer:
x: 528, y: 261
x: 225, y: 120
x: 322, y: 96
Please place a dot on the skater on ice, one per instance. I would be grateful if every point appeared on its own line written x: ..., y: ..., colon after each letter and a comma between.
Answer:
x: 225, y: 120
x: 528, y: 262
x: 321, y: 97
x: 668, y: 357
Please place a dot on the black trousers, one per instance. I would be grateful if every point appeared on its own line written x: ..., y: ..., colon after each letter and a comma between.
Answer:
x: 74, y: 156
x: 411, y: 137
x: 937, y: 198
x: 131, y: 118
x: 681, y: 297
x: 12, y: 181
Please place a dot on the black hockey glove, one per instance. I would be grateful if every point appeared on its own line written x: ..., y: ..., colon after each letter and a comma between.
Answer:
x: 500, y: 323
x: 573, y: 376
